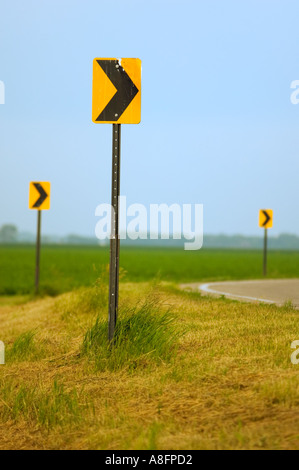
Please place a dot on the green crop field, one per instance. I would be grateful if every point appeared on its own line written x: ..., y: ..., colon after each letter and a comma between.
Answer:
x: 64, y: 268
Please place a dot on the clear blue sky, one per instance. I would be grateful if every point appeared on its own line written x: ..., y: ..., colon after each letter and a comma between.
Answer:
x: 218, y: 126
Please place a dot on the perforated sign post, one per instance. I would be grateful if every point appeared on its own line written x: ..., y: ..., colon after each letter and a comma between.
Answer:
x: 116, y: 99
x: 266, y: 222
x: 39, y: 199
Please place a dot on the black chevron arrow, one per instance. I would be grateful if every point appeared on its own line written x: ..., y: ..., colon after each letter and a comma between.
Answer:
x: 268, y: 218
x: 43, y: 195
x: 126, y: 90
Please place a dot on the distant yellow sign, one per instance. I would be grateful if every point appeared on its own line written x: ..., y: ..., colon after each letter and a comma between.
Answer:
x: 39, y: 196
x: 266, y: 218
x: 116, y: 91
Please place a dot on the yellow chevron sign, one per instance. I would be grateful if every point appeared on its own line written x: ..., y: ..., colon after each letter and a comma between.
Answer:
x: 266, y: 218
x: 39, y: 196
x: 116, y: 91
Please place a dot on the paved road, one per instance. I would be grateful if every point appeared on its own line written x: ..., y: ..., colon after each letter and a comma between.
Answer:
x: 268, y: 291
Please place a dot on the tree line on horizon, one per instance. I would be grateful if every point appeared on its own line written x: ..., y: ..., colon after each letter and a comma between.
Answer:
x: 10, y: 235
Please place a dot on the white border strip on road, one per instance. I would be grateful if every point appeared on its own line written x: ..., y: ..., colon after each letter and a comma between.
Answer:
x: 206, y: 288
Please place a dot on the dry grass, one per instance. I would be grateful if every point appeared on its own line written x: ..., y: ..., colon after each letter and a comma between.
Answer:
x: 229, y: 385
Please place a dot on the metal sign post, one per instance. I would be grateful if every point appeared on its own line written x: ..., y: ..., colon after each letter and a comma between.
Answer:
x: 37, y: 265
x: 114, y: 241
x: 265, y: 251
x: 116, y: 99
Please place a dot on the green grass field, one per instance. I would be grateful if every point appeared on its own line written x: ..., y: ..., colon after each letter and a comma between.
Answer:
x: 67, y: 268
x: 185, y: 371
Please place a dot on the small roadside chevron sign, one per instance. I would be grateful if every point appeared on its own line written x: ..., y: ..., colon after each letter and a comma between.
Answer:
x: 266, y: 218
x: 39, y: 196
